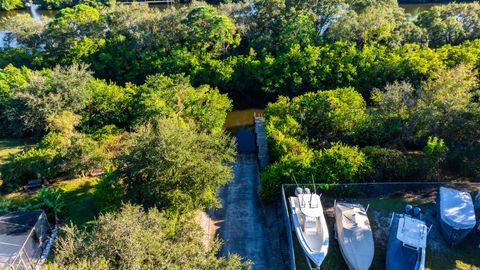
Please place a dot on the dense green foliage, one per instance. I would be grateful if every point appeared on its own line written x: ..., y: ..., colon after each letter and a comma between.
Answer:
x: 173, y: 165
x: 285, y: 47
x: 58, y: 4
x: 362, y: 91
x: 389, y: 164
x: 147, y: 236
x: 419, y: 126
x: 11, y: 4
x: 51, y: 200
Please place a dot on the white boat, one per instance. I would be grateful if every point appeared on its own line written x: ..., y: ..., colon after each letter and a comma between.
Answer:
x: 407, y: 243
x: 354, y: 235
x: 309, y: 224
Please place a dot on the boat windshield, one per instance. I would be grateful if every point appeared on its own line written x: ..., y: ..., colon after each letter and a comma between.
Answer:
x: 310, y: 205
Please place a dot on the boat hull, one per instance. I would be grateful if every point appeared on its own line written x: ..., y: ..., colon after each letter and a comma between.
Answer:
x: 399, y: 257
x: 452, y: 234
x: 315, y: 247
x: 354, y: 238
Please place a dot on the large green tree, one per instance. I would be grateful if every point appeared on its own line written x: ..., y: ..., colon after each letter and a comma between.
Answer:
x: 47, y: 94
x: 175, y: 97
x: 209, y: 32
x: 173, y: 165
x: 75, y: 32
x: 451, y: 24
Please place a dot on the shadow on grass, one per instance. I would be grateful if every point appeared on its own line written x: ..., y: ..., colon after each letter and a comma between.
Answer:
x: 80, y: 205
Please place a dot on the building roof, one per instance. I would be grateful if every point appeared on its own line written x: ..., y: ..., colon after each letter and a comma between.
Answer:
x: 21, y: 234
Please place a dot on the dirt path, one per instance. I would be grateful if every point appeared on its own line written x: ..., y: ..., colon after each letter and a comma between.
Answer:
x: 245, y: 225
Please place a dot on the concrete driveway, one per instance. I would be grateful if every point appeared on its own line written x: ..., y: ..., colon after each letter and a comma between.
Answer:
x: 248, y: 228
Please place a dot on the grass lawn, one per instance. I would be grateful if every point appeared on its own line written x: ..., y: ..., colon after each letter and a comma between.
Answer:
x: 80, y: 207
x: 462, y: 257
x: 12, y: 146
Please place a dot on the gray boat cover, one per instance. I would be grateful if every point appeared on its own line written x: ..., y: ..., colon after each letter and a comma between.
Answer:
x: 354, y: 235
x: 456, y: 209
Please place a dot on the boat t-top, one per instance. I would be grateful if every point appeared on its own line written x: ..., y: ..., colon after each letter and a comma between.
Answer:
x: 309, y: 224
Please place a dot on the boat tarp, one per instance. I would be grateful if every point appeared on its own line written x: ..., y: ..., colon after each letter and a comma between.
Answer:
x: 354, y: 235
x: 456, y: 209
x: 399, y: 256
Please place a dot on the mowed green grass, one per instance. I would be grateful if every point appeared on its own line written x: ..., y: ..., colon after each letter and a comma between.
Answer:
x: 80, y: 207
x: 463, y: 257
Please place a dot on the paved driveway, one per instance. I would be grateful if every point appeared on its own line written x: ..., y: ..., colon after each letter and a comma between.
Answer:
x: 247, y: 227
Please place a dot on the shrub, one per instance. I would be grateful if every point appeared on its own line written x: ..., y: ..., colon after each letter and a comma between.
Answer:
x: 11, y: 4
x: 30, y: 164
x: 51, y: 200
x: 435, y: 152
x: 340, y: 164
x: 83, y: 155
x: 282, y: 137
x: 109, y: 193
x: 319, y: 116
x: 134, y: 239
x: 388, y: 164
x: 283, y: 172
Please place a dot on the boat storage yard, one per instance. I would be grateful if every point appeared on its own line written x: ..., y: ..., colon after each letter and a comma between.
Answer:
x: 424, y: 237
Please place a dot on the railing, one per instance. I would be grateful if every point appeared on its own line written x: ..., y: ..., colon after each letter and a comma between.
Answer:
x: 261, y: 141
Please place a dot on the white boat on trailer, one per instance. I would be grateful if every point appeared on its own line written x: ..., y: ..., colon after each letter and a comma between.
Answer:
x: 309, y: 224
x: 354, y: 235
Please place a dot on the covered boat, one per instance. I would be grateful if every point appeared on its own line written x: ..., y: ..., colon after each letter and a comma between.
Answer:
x: 354, y: 235
x: 407, y: 243
x: 456, y: 214
x: 309, y: 224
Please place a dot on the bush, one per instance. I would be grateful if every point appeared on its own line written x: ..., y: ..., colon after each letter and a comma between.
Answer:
x: 51, y: 200
x: 319, y: 116
x: 83, y: 155
x: 11, y: 4
x: 109, y: 193
x: 134, y: 239
x: 435, y: 152
x: 283, y: 172
x: 30, y: 164
x: 388, y: 164
x: 282, y: 138
x: 340, y: 164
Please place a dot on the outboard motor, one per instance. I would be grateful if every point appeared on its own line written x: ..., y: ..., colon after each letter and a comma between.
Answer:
x: 408, y: 209
x: 307, y: 190
x: 298, y: 191
x: 416, y: 212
